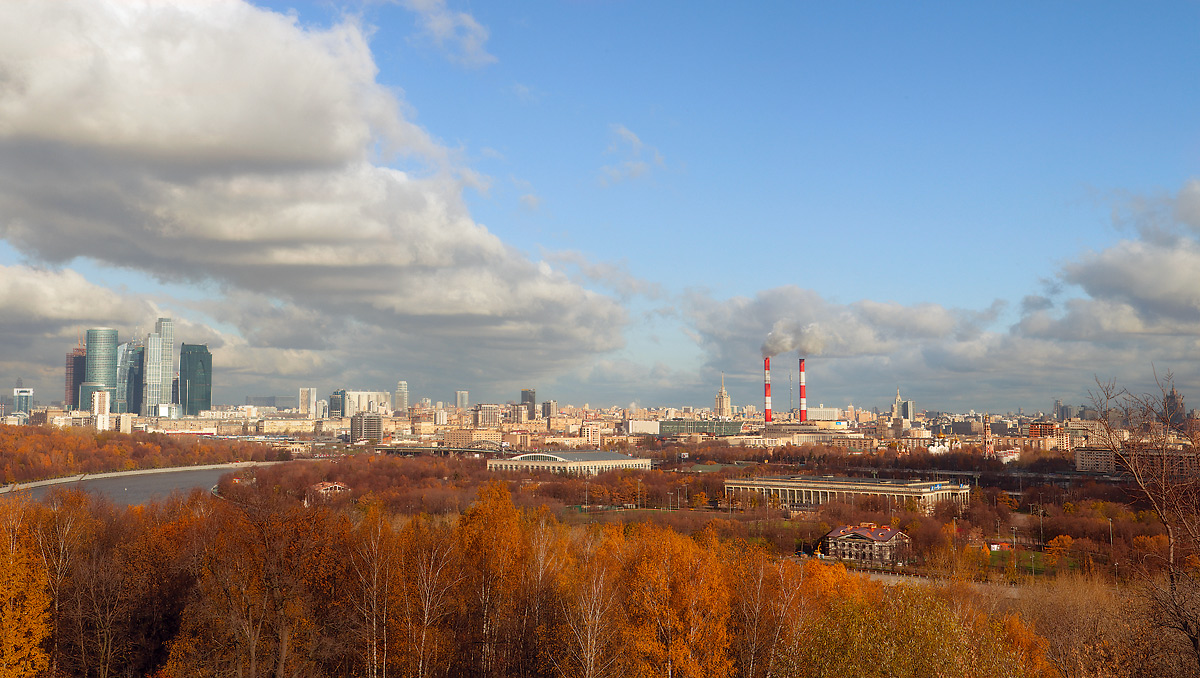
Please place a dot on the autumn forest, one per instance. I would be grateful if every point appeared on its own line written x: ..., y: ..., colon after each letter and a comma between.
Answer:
x: 430, y: 568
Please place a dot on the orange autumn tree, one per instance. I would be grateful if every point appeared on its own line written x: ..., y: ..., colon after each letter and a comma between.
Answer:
x: 488, y: 537
x: 430, y: 576
x: 588, y: 642
x: 677, y: 606
x: 24, y: 601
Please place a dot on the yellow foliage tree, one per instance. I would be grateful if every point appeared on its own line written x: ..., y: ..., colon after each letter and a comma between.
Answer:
x: 24, y: 600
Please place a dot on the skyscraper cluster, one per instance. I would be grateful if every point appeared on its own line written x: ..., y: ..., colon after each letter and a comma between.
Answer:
x: 140, y: 376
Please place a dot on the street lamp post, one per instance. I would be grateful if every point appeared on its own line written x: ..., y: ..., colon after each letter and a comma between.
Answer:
x: 1112, y: 551
x: 638, y: 501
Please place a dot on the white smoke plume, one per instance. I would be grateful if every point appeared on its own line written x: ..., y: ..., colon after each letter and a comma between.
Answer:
x: 788, y: 336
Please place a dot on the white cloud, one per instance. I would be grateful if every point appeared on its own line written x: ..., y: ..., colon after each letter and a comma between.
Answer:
x: 638, y: 158
x: 221, y: 143
x: 458, y: 34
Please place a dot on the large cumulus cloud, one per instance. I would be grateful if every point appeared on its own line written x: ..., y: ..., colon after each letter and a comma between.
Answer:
x: 228, y: 145
x: 1120, y: 312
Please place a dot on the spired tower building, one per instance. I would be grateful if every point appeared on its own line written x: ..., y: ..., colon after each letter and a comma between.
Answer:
x: 724, y: 407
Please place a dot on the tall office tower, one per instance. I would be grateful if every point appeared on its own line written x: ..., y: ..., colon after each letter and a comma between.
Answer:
x: 401, y: 400
x: 529, y: 400
x: 22, y: 399
x: 165, y: 328
x: 366, y: 426
x: 101, y: 406
x: 549, y: 409
x: 195, y: 379
x: 722, y: 405
x: 135, y: 377
x: 487, y: 416
x: 908, y: 410
x: 76, y: 369
x: 337, y: 404
x: 152, y: 391
x: 307, y: 402
x: 101, y: 363
x: 129, y: 355
x: 462, y: 400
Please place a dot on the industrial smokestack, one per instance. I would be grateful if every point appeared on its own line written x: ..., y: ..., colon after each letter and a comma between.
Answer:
x: 767, y: 387
x: 803, y: 395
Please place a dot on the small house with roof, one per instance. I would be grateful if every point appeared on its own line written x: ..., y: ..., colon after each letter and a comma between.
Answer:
x: 867, y: 544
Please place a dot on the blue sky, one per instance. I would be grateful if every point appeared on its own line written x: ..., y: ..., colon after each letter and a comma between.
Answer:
x: 985, y: 205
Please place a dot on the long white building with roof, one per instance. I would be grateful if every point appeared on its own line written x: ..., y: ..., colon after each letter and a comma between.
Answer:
x: 585, y: 462
x: 815, y: 490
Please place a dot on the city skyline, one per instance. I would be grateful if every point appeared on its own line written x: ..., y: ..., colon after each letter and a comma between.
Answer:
x: 989, y: 207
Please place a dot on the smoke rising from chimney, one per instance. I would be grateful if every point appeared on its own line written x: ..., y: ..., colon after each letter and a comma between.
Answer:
x: 787, y: 336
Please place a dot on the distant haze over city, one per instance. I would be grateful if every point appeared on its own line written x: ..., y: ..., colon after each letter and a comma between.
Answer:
x: 987, y: 207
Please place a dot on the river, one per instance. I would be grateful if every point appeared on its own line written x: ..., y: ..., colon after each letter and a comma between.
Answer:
x: 140, y: 487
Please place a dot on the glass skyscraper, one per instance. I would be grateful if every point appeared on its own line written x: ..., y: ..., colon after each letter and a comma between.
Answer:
x: 400, y: 403
x: 129, y: 377
x: 195, y: 379
x: 152, y: 391
x: 101, y: 364
x: 76, y: 368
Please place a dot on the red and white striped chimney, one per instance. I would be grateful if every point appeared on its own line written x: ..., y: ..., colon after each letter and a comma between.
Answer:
x: 767, y: 387
x: 803, y: 403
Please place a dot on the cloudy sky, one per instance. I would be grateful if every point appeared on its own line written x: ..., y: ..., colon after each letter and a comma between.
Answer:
x: 986, y: 206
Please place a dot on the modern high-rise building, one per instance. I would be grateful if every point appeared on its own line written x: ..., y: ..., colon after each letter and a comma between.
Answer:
x: 401, y: 400
x: 487, y: 416
x: 152, y: 379
x: 101, y: 406
x: 529, y: 400
x: 101, y: 362
x: 76, y: 369
x: 135, y: 379
x: 462, y: 399
x: 337, y: 404
x: 165, y: 329
x: 307, y: 402
x: 365, y: 426
x: 549, y: 409
x: 129, y: 376
x: 195, y: 379
x: 23, y: 400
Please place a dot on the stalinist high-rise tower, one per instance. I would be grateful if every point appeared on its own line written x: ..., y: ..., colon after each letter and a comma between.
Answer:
x: 724, y: 408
